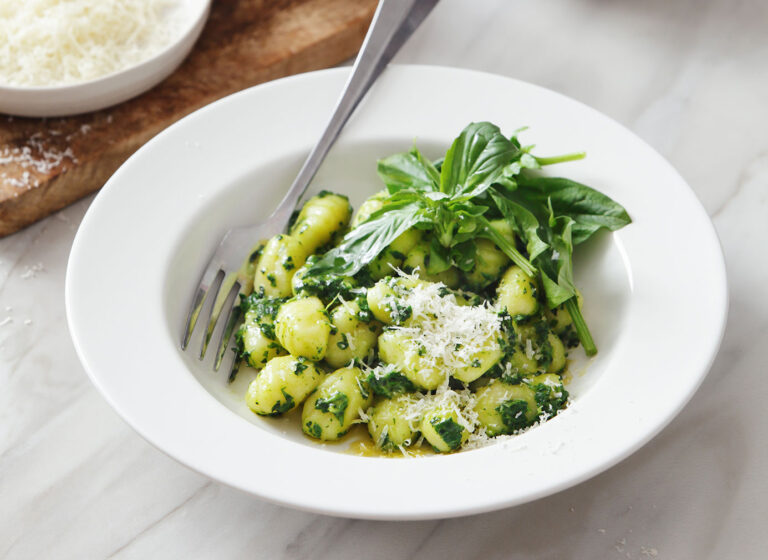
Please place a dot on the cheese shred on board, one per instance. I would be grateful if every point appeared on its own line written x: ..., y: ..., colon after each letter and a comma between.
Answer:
x: 61, y: 42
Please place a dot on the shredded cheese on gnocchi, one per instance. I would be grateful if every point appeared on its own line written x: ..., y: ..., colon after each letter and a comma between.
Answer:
x: 450, y: 334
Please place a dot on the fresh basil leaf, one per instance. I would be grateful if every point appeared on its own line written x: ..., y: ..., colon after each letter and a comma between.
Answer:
x: 454, y: 222
x: 515, y: 134
x: 475, y: 159
x: 556, y: 263
x: 364, y: 242
x: 439, y: 258
x: 463, y: 255
x: 475, y: 193
x: 466, y: 217
x: 507, y: 184
x: 554, y: 291
x: 524, y: 223
x: 429, y: 167
x: 436, y: 196
x: 589, y: 209
x: 466, y: 208
x: 409, y: 170
x: 511, y: 171
x: 528, y: 161
x: 468, y: 223
x: 556, y: 272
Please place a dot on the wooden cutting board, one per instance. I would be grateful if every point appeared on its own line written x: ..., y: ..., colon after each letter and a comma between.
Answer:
x: 46, y: 164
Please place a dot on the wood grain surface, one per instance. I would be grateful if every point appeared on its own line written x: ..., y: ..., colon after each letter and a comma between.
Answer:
x: 46, y: 164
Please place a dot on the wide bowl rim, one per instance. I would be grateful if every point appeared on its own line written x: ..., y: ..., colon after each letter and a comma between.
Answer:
x: 349, y: 507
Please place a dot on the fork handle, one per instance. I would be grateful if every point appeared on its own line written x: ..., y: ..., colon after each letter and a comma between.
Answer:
x: 392, y: 24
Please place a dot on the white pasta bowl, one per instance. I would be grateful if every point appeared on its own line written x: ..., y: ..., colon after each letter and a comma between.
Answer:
x: 654, y: 292
x: 114, y: 88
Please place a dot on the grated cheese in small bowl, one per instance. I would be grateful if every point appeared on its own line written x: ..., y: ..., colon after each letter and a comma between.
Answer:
x: 46, y: 43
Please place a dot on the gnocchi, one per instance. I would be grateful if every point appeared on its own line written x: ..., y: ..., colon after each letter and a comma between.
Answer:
x: 444, y: 317
x: 280, y: 258
x: 282, y: 385
x: 335, y: 405
x: 411, y: 357
x: 322, y: 217
x: 352, y: 338
x: 303, y: 328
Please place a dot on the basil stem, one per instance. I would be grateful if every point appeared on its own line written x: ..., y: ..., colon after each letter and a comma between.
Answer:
x: 560, y: 159
x: 582, y: 330
x: 510, y: 250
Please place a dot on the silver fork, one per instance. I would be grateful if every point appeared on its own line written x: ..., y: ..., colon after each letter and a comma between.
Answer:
x: 393, y: 22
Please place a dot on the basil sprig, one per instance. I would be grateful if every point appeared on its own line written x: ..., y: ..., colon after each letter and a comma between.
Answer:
x: 484, y: 175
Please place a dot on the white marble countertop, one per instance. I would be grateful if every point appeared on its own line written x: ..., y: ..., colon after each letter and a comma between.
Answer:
x: 689, y: 76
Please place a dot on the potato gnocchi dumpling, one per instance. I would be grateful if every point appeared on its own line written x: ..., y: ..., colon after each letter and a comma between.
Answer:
x: 517, y: 293
x: 282, y: 385
x: 256, y: 336
x: 258, y: 347
x: 351, y: 337
x: 490, y: 262
x: 484, y: 358
x: 280, y: 258
x: 503, y: 408
x: 391, y: 423
x: 335, y: 405
x: 443, y: 428
x: 303, y: 328
x: 375, y: 202
x: 539, y: 348
x: 385, y: 299
x: 397, y: 348
x: 322, y: 217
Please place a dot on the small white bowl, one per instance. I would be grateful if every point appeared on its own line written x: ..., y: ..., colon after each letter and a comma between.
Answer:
x: 83, y: 97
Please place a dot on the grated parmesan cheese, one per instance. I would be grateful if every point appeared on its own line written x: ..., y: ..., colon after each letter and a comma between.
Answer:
x: 529, y: 352
x: 447, y: 336
x: 461, y: 402
x: 451, y: 334
x: 59, y: 42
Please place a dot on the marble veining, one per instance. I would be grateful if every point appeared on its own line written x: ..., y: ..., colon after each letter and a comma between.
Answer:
x: 689, y: 76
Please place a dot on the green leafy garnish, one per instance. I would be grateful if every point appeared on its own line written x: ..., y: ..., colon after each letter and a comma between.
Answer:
x: 550, y: 399
x: 449, y: 431
x: 284, y: 406
x: 364, y: 242
x: 313, y: 429
x: 389, y: 383
x: 589, y: 209
x: 261, y: 311
x: 336, y: 404
x: 300, y: 366
x: 484, y: 176
x: 513, y: 414
x: 325, y: 286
